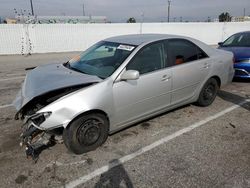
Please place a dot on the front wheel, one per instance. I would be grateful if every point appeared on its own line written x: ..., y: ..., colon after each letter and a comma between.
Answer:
x: 208, y: 92
x: 86, y: 133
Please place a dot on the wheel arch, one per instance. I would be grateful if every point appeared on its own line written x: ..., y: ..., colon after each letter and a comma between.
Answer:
x: 217, y: 78
x: 87, y: 113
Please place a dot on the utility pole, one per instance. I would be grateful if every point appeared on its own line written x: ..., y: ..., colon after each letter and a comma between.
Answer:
x: 244, y: 12
x: 83, y: 11
x: 142, y: 20
x: 169, y: 1
x: 31, y: 4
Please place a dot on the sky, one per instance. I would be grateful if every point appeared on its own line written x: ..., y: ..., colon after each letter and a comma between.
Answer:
x: 121, y: 10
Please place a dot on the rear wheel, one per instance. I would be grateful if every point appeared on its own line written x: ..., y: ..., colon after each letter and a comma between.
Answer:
x: 208, y: 92
x: 86, y: 133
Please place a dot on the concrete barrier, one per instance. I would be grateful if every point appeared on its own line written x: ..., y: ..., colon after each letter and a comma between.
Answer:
x: 44, y: 38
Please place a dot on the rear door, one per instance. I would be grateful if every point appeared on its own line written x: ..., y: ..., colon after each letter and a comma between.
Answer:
x: 190, y: 66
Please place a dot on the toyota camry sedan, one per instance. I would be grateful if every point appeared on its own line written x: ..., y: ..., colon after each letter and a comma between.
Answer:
x: 115, y: 83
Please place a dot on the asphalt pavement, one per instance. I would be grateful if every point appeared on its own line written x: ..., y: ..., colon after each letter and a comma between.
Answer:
x: 188, y: 147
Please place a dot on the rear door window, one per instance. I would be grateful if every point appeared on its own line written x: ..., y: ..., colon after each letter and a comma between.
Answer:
x: 182, y: 51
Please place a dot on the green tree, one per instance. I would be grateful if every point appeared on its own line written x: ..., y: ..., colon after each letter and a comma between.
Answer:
x: 225, y: 17
x: 131, y: 20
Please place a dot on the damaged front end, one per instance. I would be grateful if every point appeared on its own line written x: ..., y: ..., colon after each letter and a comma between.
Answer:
x: 34, y: 138
x: 41, y: 87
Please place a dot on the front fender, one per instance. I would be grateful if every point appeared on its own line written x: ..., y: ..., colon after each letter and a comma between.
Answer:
x: 65, y: 109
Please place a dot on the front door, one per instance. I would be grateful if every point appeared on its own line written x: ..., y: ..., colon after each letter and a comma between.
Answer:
x: 136, y: 99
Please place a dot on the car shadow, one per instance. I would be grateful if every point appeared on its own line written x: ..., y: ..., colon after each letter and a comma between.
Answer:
x: 116, y: 176
x: 145, y: 121
x: 244, y: 80
x: 235, y: 99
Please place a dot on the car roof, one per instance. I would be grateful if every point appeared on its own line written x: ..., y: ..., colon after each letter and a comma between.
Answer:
x: 138, y: 39
x: 141, y: 39
x: 243, y: 32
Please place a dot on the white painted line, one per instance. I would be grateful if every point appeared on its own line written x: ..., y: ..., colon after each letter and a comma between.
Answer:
x: 13, y: 78
x: 66, y: 164
x: 8, y: 88
x: 166, y: 139
x: 6, y: 106
x: 74, y: 163
x: 156, y: 133
x: 16, y: 74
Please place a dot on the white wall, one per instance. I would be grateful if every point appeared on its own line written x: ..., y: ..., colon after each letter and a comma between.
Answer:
x: 42, y: 38
x: 11, y: 39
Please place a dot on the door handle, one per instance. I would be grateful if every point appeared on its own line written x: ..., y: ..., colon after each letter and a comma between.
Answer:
x: 165, y: 78
x: 206, y: 65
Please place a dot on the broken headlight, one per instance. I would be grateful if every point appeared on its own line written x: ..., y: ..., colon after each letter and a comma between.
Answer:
x: 40, y: 118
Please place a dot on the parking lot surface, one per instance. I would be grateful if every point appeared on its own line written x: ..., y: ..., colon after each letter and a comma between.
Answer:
x: 187, y: 147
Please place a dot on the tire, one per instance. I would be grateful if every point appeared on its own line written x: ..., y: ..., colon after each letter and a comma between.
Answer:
x: 86, y: 133
x: 208, y: 93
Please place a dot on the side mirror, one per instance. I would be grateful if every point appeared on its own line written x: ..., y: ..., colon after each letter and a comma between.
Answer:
x: 110, y: 49
x: 130, y: 75
x: 220, y: 43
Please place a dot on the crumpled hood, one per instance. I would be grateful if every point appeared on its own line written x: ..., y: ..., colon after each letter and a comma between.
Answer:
x: 47, y: 78
x: 240, y: 53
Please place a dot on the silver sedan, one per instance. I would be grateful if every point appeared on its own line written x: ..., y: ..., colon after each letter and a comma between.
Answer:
x: 116, y: 83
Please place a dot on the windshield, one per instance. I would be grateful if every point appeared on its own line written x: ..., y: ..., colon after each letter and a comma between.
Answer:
x: 102, y: 59
x: 238, y: 40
